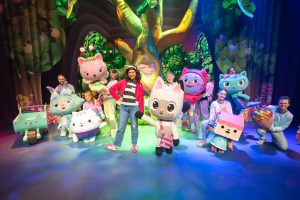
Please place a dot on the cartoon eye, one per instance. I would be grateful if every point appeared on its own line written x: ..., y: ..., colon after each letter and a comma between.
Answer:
x: 235, y: 131
x: 155, y: 104
x: 68, y: 101
x: 25, y: 123
x: 195, y: 81
x: 185, y: 80
x: 170, y: 107
x: 89, y: 121
x: 226, y: 84
x: 241, y: 82
x: 56, y: 105
x: 100, y: 70
x: 222, y: 126
x: 73, y: 124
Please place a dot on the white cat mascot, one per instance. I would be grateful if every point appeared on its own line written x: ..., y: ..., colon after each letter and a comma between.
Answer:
x: 166, y: 105
x: 85, y: 125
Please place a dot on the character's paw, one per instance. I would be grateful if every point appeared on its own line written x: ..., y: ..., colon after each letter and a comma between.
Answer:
x: 139, y: 114
x: 75, y: 138
x: 176, y: 142
x: 158, y: 151
x: 213, y: 148
x: 70, y: 135
x: 63, y: 133
x: 93, y: 139
x: 25, y: 138
x: 38, y: 135
x: 169, y: 151
x: 86, y: 140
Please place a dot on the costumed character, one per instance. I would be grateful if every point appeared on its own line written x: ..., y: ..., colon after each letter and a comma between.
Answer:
x: 64, y: 104
x: 229, y: 126
x: 85, y: 125
x: 235, y: 84
x: 194, y: 82
x: 165, y: 104
x: 93, y: 71
x: 31, y: 123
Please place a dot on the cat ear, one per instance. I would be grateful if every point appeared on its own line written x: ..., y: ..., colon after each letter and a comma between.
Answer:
x: 98, y: 56
x: 51, y: 89
x: 81, y: 60
x: 176, y: 88
x: 21, y: 117
x: 221, y: 76
x: 159, y: 83
x: 185, y: 70
x: 244, y: 73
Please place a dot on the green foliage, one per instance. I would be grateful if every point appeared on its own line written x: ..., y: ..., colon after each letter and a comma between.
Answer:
x: 176, y: 58
x: 62, y: 7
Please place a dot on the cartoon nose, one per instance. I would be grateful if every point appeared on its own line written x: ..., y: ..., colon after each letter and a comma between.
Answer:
x: 94, y: 75
x: 87, y: 74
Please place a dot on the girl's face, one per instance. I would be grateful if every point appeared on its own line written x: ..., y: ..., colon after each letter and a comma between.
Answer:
x: 232, y: 71
x: 112, y: 75
x: 208, y: 77
x: 222, y: 95
x: 131, y: 74
x: 88, y: 97
x: 170, y: 78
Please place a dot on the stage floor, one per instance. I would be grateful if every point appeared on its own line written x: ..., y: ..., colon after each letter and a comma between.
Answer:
x: 57, y: 168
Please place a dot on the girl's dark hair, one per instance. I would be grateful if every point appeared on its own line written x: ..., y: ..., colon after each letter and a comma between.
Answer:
x: 220, y: 90
x: 138, y: 73
x: 230, y: 69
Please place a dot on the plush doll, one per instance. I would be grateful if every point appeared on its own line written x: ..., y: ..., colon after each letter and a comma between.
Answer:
x: 85, y: 125
x: 194, y: 83
x: 93, y: 71
x: 263, y: 117
x: 64, y: 104
x: 235, y: 84
x: 166, y: 105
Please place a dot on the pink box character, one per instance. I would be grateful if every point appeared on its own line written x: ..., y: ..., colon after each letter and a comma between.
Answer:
x: 230, y: 126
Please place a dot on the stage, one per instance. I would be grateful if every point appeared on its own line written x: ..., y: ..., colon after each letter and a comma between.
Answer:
x: 57, y: 168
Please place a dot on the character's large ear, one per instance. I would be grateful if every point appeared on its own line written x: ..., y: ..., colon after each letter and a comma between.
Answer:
x: 185, y: 70
x: 98, y: 56
x: 80, y: 60
x: 221, y: 76
x: 159, y: 83
x: 177, y: 88
x: 244, y: 73
x: 51, y: 89
x: 203, y: 73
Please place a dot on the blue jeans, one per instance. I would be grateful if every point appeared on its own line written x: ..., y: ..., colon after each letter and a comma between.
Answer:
x: 127, y: 112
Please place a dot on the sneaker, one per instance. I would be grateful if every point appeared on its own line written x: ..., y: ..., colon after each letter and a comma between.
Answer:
x: 134, y: 148
x: 201, y: 143
x: 110, y: 147
x: 260, y: 142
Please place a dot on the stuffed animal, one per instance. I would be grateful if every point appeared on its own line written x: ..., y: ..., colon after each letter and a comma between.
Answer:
x: 85, y: 125
x: 63, y: 104
x: 235, y: 84
x: 93, y: 71
x: 194, y: 82
x: 166, y: 105
x: 263, y: 117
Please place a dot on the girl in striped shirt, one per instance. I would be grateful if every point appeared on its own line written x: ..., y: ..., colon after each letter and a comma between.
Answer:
x: 131, y: 99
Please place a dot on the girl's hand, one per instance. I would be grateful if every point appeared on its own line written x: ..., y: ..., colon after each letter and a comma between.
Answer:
x: 210, y: 129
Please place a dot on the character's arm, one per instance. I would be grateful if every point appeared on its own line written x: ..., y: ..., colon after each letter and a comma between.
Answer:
x: 241, y: 95
x: 146, y: 118
x: 175, y: 135
x: 283, y: 124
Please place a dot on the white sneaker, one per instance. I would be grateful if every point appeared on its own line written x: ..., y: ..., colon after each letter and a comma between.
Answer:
x: 75, y: 138
x: 260, y: 142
